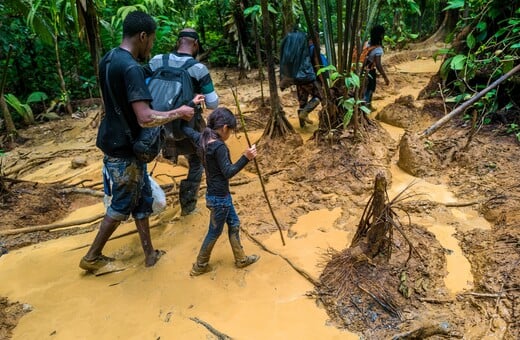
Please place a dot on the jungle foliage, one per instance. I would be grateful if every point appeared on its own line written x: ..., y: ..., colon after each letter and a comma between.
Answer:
x: 51, y: 53
x: 484, y: 46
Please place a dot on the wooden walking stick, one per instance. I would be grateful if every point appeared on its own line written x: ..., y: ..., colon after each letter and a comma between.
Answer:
x: 243, y: 122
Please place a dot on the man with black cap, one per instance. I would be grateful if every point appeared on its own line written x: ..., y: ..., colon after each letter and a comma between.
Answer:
x: 188, y: 46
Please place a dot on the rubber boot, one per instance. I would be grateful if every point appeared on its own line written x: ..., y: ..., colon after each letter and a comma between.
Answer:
x: 301, y: 120
x: 188, y: 192
x: 241, y: 259
x: 201, y: 265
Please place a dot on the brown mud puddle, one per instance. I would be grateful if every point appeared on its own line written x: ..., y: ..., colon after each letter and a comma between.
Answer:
x: 318, y: 195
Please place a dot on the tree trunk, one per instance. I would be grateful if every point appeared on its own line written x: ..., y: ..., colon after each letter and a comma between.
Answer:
x: 9, y: 124
x: 240, y: 23
x: 88, y: 19
x: 376, y: 235
x: 65, y: 94
x: 259, y: 59
x: 278, y: 125
x: 287, y: 17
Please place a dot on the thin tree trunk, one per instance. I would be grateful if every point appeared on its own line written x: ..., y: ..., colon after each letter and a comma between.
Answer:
x: 68, y: 106
x: 278, y: 125
x: 9, y: 124
x: 88, y: 18
x: 259, y: 59
x: 288, y: 17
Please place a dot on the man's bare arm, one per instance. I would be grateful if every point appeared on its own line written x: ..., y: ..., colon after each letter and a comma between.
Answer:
x: 148, y: 117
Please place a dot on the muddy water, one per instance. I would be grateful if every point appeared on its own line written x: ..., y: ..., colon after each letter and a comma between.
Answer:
x: 445, y: 223
x: 266, y: 300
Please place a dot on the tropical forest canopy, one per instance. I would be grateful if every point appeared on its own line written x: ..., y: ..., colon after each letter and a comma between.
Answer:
x: 50, y: 49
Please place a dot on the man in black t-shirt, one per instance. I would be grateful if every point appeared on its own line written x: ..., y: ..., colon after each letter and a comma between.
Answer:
x: 126, y: 180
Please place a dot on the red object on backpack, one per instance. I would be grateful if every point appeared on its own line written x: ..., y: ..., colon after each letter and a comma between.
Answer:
x: 363, y: 58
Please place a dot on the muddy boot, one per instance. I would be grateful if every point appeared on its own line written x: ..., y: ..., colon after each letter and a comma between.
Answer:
x: 303, y: 114
x: 201, y: 266
x: 241, y: 259
x: 300, y: 120
x: 188, y: 196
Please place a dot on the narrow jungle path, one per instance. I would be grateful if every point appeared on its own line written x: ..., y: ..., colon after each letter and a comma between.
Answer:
x: 268, y: 300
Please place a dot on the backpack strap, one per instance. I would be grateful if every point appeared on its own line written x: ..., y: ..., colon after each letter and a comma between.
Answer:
x: 118, y: 110
x: 165, y: 60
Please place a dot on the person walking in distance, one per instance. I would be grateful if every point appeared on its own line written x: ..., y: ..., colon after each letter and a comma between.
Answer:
x: 125, y: 91
x: 219, y: 169
x: 373, y: 63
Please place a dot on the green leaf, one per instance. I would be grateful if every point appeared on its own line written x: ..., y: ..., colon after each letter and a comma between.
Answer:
x: 501, y: 31
x: 454, y: 4
x: 517, y: 45
x: 365, y: 109
x: 445, y: 69
x: 470, y: 41
x: 355, y: 79
x: 37, y: 97
x: 482, y: 25
x: 458, y: 62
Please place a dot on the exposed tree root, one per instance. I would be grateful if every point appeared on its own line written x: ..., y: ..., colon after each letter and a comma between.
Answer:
x: 299, y: 270
x: 215, y: 332
x: 427, y: 331
x: 49, y: 227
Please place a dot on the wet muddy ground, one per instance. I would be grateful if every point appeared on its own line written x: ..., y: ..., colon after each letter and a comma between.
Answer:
x: 460, y: 217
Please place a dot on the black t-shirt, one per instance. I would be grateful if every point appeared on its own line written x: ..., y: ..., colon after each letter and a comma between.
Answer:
x: 126, y: 77
x: 218, y: 166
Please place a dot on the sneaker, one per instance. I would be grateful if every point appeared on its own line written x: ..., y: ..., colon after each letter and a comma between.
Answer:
x: 247, y: 261
x: 197, y: 269
x: 92, y: 265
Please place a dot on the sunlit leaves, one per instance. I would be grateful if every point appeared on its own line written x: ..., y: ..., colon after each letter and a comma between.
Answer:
x: 454, y: 4
x: 458, y: 62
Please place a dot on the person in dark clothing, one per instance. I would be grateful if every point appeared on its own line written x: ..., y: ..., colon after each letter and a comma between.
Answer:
x: 188, y: 46
x: 128, y: 181
x: 312, y: 90
x: 373, y: 63
x: 219, y: 169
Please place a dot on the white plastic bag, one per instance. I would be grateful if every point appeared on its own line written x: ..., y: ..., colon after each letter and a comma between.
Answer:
x: 159, y: 197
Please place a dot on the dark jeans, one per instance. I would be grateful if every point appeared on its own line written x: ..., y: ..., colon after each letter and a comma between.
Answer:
x: 222, y: 212
x: 371, y: 86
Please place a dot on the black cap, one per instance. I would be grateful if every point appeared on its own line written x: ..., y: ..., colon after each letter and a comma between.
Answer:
x: 193, y: 35
x: 189, y: 34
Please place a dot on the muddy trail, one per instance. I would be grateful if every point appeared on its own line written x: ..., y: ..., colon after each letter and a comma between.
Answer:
x: 459, y: 222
